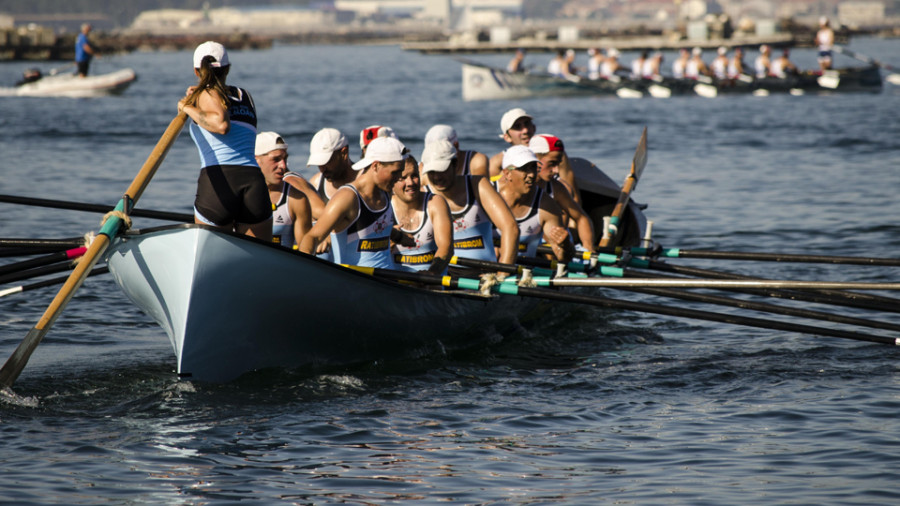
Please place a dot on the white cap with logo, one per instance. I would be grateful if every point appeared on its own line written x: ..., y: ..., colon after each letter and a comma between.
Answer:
x: 438, y: 132
x: 437, y: 156
x: 382, y: 149
x: 324, y: 144
x: 509, y: 118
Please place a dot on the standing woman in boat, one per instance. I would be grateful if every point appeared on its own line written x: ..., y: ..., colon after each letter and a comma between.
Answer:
x: 84, y: 50
x: 231, y: 190
x: 423, y: 219
x: 358, y: 217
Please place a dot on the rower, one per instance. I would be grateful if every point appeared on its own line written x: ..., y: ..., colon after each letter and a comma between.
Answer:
x: 595, y: 60
x: 637, y: 66
x: 330, y: 154
x: 471, y: 162
x: 517, y: 64
x: 291, y: 212
x: 719, y: 65
x: 358, y: 217
x: 425, y: 239
x: 549, y: 151
x: 696, y: 67
x: 368, y: 134
x: 736, y: 64
x: 475, y: 206
x: 825, y: 43
x: 517, y: 128
x: 611, y: 64
x: 652, y: 66
x: 762, y: 64
x: 680, y: 64
x: 538, y: 217
x: 781, y: 67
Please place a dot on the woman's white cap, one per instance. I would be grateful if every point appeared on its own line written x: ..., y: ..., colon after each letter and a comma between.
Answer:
x: 214, y: 49
x: 384, y: 150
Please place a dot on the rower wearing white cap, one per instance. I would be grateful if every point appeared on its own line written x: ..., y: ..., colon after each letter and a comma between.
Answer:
x: 719, y: 65
x: 696, y: 67
x: 231, y: 190
x: 516, y: 128
x: 358, y: 217
x: 423, y: 218
x: 825, y: 43
x: 470, y: 161
x: 550, y: 152
x: 736, y: 64
x: 538, y: 217
x: 611, y: 64
x: 782, y: 66
x: 679, y: 66
x: 291, y: 212
x: 763, y: 64
x: 475, y: 206
x: 372, y: 132
x: 330, y: 154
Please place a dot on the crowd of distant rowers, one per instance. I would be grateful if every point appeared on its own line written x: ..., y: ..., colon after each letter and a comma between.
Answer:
x: 389, y: 210
x: 688, y: 65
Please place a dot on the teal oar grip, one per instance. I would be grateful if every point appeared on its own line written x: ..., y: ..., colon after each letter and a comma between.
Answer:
x: 613, y: 272
x: 670, y: 252
x: 508, y: 289
x: 111, y: 227
x: 468, y: 283
x: 607, y: 258
x: 639, y: 263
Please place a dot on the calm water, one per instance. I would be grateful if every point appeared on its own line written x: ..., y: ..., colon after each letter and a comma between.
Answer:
x: 587, y: 407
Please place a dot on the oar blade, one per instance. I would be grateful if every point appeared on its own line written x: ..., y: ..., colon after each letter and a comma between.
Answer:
x: 640, y: 157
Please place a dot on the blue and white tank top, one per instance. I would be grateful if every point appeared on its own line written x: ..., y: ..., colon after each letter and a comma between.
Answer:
x: 420, y: 256
x: 238, y: 145
x: 472, y: 229
x: 282, y: 223
x: 367, y: 241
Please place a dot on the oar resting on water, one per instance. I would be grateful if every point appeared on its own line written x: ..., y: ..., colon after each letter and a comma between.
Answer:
x: 95, y: 208
x: 112, y: 226
x: 595, y: 300
x: 49, y: 282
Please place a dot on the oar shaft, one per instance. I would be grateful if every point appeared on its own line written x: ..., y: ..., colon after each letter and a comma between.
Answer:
x: 724, y: 284
x: 10, y: 242
x: 778, y: 257
x: 96, y: 208
x: 48, y: 282
x: 35, y: 272
x: 52, y: 258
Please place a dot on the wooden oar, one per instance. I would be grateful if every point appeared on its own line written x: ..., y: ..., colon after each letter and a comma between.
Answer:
x: 17, y: 361
x: 95, y: 208
x: 52, y: 258
x: 637, y: 167
x: 593, y: 300
x: 49, y: 282
x: 764, y: 257
x: 892, y: 78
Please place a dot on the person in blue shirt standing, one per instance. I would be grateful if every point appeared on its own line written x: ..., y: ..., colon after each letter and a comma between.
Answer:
x: 84, y: 50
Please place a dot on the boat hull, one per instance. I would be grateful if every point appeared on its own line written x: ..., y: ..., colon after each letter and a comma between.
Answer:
x: 231, y: 304
x: 481, y: 82
x: 72, y: 86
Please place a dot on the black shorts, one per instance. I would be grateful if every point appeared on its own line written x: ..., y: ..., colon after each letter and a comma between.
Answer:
x: 229, y: 194
x: 83, y: 67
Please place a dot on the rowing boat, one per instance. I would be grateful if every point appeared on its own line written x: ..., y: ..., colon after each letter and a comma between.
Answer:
x: 70, y: 85
x: 483, y: 82
x: 232, y: 304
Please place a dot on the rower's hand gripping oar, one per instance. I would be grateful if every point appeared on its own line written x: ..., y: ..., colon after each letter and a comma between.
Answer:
x: 637, y: 167
x: 17, y: 361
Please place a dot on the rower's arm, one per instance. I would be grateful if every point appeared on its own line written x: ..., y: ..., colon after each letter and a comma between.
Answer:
x: 337, y: 215
x: 300, y: 213
x: 567, y: 176
x: 442, y: 223
x: 583, y: 223
x: 501, y: 217
x: 479, y: 165
x: 555, y: 233
x: 316, y: 204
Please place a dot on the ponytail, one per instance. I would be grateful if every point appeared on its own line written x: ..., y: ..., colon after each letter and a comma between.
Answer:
x: 211, y: 78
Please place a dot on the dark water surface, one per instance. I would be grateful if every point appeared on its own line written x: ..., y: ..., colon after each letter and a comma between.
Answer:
x: 586, y: 407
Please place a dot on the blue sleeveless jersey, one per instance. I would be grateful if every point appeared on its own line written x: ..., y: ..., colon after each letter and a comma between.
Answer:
x: 282, y: 223
x: 473, y: 230
x: 239, y: 144
x: 367, y: 241
x: 420, y: 256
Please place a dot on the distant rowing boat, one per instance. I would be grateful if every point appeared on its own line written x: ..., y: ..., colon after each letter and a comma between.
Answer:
x: 483, y: 82
x: 231, y: 304
x: 70, y: 85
